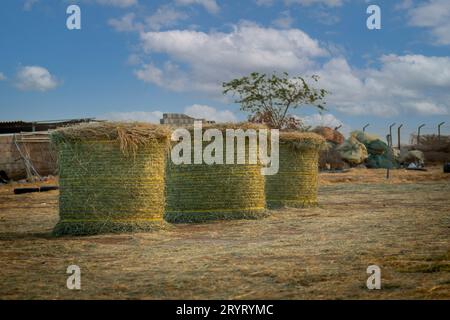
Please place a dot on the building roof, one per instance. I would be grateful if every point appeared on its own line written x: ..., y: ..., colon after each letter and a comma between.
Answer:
x: 24, y: 126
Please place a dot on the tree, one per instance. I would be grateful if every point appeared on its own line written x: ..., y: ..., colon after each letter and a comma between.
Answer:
x: 269, y: 98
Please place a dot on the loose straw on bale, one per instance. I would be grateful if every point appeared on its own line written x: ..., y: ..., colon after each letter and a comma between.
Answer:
x: 111, y: 177
x: 202, y: 192
x: 296, y: 183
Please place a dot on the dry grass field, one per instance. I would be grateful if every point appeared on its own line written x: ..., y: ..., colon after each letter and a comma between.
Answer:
x: 402, y: 225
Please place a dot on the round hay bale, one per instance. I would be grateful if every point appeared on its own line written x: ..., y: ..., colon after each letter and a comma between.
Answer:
x: 296, y: 183
x: 111, y: 177
x: 203, y: 192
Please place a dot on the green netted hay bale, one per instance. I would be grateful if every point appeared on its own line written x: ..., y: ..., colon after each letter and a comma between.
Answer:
x: 111, y: 177
x: 353, y: 151
x: 377, y: 147
x: 376, y: 161
x: 203, y: 192
x: 296, y: 183
x: 364, y: 137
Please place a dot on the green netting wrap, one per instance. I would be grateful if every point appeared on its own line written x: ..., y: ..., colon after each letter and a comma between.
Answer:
x: 385, y: 161
x: 202, y: 192
x: 107, y: 184
x: 296, y: 183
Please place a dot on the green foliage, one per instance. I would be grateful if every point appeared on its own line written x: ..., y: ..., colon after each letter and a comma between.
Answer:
x: 273, y: 96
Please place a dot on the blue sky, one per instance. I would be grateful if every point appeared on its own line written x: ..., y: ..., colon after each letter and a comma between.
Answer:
x: 134, y: 59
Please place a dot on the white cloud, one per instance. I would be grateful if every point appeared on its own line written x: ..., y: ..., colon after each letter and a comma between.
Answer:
x: 35, y: 78
x: 170, y: 76
x: 141, y: 116
x: 210, y: 5
x: 214, y: 57
x: 329, y: 3
x: 435, y: 15
x: 326, y: 16
x: 28, y: 4
x: 118, y: 3
x: 428, y: 108
x: 124, y: 24
x: 2, y: 76
x: 200, y: 61
x: 403, y: 84
x: 404, y: 4
x: 326, y: 120
x: 151, y: 74
x: 165, y: 16
x: 134, y: 59
x: 209, y: 113
x: 284, y: 20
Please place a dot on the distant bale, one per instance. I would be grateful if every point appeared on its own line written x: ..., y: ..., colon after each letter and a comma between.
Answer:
x: 380, y: 155
x: 377, y: 161
x: 436, y: 157
x: 330, y: 134
x: 411, y: 156
x: 377, y: 147
x: 353, y: 151
x: 296, y: 183
x: 436, y: 149
x: 330, y: 158
x: 203, y: 192
x: 111, y: 177
x: 363, y: 137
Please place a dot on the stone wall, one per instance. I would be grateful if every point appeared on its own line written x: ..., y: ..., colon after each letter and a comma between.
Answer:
x: 37, y: 146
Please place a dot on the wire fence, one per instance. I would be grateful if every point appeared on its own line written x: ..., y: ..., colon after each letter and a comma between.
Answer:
x: 408, y: 133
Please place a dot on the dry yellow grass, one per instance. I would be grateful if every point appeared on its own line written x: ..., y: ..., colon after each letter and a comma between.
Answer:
x: 130, y: 136
x: 357, y: 175
x: 294, y: 254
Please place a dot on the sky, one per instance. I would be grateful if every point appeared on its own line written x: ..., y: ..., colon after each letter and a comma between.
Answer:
x: 136, y: 59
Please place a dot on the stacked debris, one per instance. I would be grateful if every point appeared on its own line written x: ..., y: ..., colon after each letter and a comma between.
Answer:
x: 380, y: 154
x: 331, y: 135
x: 362, y: 148
x: 436, y: 149
x: 411, y: 158
x: 353, y: 151
x: 330, y: 158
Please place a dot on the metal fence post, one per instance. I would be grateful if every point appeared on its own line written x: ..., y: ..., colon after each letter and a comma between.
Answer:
x: 389, y: 142
x: 398, y: 135
x: 418, y: 132
x: 364, y: 128
x: 390, y: 132
x: 439, y: 129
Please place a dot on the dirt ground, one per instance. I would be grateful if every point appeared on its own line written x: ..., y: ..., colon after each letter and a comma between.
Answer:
x: 401, y: 225
x: 356, y: 175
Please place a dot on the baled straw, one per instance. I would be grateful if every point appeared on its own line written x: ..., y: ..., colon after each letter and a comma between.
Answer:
x: 296, y: 183
x: 202, y: 192
x: 111, y: 177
